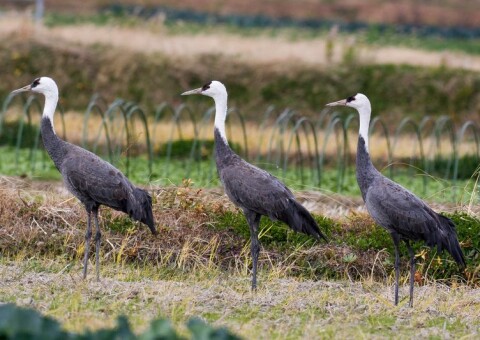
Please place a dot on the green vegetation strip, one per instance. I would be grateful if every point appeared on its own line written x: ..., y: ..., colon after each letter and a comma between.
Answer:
x: 202, y: 172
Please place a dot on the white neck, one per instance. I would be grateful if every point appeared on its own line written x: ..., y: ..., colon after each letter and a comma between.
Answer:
x: 51, y: 100
x: 364, y: 123
x: 221, y: 115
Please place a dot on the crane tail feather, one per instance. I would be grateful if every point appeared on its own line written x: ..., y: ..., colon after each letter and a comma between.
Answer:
x: 450, y: 241
x: 299, y: 219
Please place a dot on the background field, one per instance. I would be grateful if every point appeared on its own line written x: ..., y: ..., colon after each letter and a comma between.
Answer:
x: 282, y: 61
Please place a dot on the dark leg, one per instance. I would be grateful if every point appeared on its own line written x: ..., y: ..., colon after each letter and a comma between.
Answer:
x: 98, y: 235
x: 253, y: 220
x: 412, y: 272
x: 88, y: 235
x: 396, y: 241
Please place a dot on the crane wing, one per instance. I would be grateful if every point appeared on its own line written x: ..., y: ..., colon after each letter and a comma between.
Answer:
x: 399, y: 210
x: 91, y: 178
x: 255, y: 189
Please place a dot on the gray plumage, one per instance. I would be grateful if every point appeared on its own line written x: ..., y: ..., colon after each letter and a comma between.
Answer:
x: 405, y: 216
x: 92, y: 180
x: 257, y: 192
x: 252, y: 189
x: 402, y: 213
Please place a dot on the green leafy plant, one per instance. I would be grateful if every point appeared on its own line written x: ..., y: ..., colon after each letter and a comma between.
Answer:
x: 13, y: 321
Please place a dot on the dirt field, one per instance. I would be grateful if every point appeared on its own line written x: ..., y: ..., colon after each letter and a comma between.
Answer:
x: 279, y: 51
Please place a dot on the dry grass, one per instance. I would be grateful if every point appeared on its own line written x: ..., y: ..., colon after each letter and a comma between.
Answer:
x: 199, y: 230
x: 282, y: 308
x: 44, y: 219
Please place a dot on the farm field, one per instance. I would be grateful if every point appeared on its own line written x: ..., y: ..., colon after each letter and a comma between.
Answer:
x: 198, y: 266
x: 120, y: 78
x: 258, y: 46
x: 282, y: 308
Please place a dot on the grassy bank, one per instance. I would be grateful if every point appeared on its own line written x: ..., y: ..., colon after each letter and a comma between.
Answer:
x: 200, y: 229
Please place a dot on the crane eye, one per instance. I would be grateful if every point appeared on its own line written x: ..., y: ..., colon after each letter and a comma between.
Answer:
x: 350, y: 99
x: 35, y: 82
x: 206, y: 86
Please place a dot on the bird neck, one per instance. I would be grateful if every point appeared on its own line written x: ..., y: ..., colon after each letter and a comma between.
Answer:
x: 224, y: 155
x: 220, y: 116
x: 364, y: 124
x: 52, y: 143
x: 365, y: 170
x: 51, y: 100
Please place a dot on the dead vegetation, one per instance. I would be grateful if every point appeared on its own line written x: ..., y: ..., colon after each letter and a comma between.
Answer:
x: 201, y: 230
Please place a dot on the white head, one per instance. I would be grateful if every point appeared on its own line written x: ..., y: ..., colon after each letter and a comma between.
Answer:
x: 49, y: 89
x: 214, y: 89
x: 43, y: 85
x: 358, y: 101
x: 218, y: 92
x: 362, y: 104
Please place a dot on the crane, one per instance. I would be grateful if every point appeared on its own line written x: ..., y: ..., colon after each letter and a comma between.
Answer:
x: 254, y: 190
x: 92, y: 180
x: 405, y: 216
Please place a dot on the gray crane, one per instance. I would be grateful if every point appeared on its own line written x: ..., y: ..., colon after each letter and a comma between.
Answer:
x: 92, y: 180
x: 405, y: 216
x: 252, y: 189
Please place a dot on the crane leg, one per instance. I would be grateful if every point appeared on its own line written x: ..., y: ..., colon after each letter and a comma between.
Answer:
x: 253, y: 220
x: 98, y: 235
x: 88, y: 235
x: 412, y: 272
x: 396, y: 241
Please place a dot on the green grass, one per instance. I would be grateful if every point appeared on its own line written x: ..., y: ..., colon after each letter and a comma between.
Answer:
x: 203, y: 174
x: 374, y: 37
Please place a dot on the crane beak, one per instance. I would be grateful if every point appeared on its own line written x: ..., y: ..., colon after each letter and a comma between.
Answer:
x: 196, y: 91
x: 23, y: 89
x: 342, y: 102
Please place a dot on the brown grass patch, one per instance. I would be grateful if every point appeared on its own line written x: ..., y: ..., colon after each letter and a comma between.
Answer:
x: 43, y: 220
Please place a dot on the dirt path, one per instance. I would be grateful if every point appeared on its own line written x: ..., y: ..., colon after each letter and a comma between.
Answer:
x: 260, y: 49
